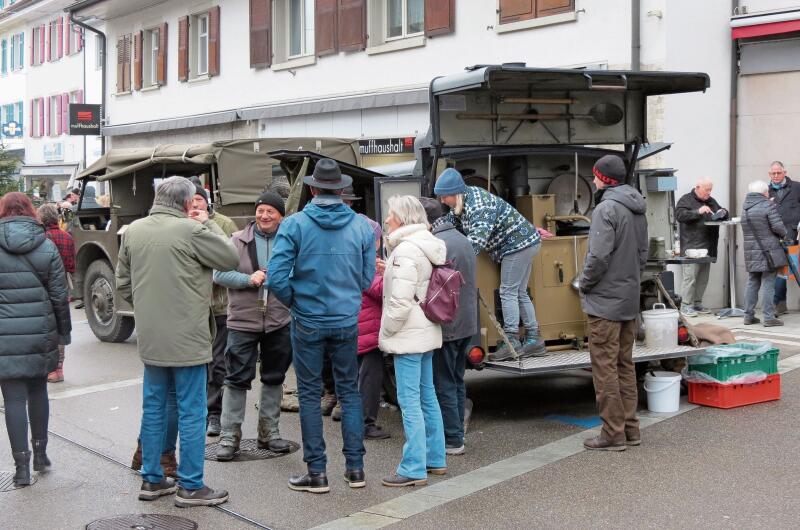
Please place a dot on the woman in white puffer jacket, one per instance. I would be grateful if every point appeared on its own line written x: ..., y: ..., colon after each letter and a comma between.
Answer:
x: 411, y: 337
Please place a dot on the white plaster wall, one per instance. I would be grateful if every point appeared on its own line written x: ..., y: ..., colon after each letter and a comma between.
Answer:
x: 12, y: 85
x: 757, y: 6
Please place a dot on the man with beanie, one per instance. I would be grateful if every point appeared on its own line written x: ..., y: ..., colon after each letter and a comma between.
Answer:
x: 449, y: 362
x: 258, y: 329
x: 219, y: 305
x: 324, y: 258
x: 609, y: 287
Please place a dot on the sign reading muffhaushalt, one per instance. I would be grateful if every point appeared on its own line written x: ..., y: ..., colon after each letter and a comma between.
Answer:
x: 386, y: 146
x: 84, y: 119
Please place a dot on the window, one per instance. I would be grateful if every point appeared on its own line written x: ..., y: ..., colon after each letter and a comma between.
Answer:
x: 98, y: 52
x: 37, y: 34
x: 152, y: 41
x: 11, y: 112
x: 199, y: 27
x: 17, y: 51
x: 74, y: 38
x: 293, y: 30
x: 198, y: 46
x: 54, y: 115
x: 53, y: 41
x: 519, y: 10
x: 404, y: 18
x: 37, y: 117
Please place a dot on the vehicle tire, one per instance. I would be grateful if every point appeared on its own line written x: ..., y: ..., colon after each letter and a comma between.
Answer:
x: 98, y: 295
x: 389, y: 381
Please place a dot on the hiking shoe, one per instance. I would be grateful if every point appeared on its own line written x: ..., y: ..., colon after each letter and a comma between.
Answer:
x: 503, y: 352
x: 150, y: 491
x: 355, y: 478
x: 399, y: 481
x: 532, y: 347
x: 781, y: 309
x: 375, y: 432
x: 772, y: 322
x: 227, y: 452
x: 633, y: 442
x: 327, y: 402
x: 701, y: 309
x: 336, y: 414
x: 310, y: 482
x: 748, y: 320
x: 277, y: 445
x: 688, y: 311
x: 205, y: 496
x: 598, y: 443
x: 453, y: 450
x: 436, y: 470
x: 289, y: 401
x: 214, y: 426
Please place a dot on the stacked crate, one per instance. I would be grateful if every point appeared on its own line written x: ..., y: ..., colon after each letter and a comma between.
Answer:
x: 726, y: 396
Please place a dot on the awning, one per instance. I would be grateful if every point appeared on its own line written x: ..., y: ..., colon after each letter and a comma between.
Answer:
x: 196, y: 120
x: 49, y: 170
x: 765, y: 24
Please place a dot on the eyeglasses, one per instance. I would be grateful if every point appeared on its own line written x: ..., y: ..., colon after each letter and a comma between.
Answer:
x: 776, y: 173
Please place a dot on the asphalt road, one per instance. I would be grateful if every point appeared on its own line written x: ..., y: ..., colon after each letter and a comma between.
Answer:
x: 524, y: 467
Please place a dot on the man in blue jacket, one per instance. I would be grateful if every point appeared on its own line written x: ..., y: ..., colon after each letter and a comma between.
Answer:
x: 323, y: 259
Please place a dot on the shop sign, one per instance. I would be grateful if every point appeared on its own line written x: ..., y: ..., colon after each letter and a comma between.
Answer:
x: 84, y: 119
x: 12, y: 129
x: 386, y: 146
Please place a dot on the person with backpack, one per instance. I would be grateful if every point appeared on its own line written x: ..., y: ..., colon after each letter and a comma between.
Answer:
x: 408, y: 334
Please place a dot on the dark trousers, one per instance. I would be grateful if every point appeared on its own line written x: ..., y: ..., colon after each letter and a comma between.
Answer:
x: 780, y: 290
x: 216, y: 368
x: 273, y: 349
x: 449, y: 364
x: 370, y: 383
x: 614, y: 377
x: 310, y: 346
x: 25, y: 398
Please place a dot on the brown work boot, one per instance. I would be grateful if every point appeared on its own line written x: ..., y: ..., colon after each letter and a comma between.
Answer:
x: 772, y: 322
x: 327, y: 403
x: 136, y: 461
x: 749, y: 321
x: 169, y: 465
x: 289, y: 401
x: 781, y: 309
x: 598, y: 443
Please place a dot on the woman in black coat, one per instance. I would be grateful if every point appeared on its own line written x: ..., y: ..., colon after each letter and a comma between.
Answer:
x: 34, y: 317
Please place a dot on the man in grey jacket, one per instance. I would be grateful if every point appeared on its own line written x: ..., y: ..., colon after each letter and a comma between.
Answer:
x: 449, y: 362
x: 609, y: 287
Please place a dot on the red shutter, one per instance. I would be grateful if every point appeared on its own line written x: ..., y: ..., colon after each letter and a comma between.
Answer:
x: 325, y: 26
x: 30, y: 120
x: 79, y: 96
x: 65, y: 113
x: 120, y: 65
x: 213, y: 41
x: 440, y: 17
x: 49, y: 42
x: 60, y: 33
x: 42, y: 31
x: 33, y: 39
x: 59, y: 115
x: 40, y: 103
x: 515, y: 10
x: 126, y: 70
x: 48, y: 129
x: 161, y: 59
x: 183, y: 49
x: 137, y: 60
x: 554, y: 7
x: 352, y: 27
x: 68, y: 41
x: 261, y: 33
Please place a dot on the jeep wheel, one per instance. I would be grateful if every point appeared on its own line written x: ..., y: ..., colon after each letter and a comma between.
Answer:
x: 98, y: 295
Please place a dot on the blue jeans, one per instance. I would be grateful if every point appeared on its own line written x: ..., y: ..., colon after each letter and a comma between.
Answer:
x: 780, y: 289
x: 756, y: 281
x: 310, y: 346
x: 189, y: 384
x: 422, y: 419
x: 449, y: 364
x: 515, y: 272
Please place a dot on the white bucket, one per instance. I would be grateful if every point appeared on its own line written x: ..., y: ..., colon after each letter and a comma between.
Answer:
x: 663, y: 391
x: 660, y: 327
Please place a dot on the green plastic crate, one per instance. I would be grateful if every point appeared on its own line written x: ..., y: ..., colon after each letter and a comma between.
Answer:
x: 729, y: 367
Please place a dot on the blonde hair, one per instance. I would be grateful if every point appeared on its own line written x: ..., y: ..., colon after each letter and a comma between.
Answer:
x: 459, y: 207
x: 407, y: 210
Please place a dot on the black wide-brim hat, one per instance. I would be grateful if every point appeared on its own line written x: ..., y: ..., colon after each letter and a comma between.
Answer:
x: 328, y: 176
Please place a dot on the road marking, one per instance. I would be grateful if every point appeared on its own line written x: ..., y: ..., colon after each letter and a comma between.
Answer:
x: 410, y: 504
x: 766, y: 332
x: 95, y: 388
x: 773, y: 340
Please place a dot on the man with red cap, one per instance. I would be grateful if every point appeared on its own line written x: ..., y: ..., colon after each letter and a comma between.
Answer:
x: 609, y: 287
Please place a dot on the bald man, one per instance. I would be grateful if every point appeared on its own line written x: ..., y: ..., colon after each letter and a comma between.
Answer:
x: 692, y: 212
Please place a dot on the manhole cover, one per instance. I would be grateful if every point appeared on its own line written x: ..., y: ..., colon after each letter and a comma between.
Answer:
x: 248, y: 450
x: 143, y: 521
x: 7, y: 481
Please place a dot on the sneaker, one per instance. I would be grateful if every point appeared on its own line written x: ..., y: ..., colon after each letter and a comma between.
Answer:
x: 688, y: 311
x: 214, y: 427
x: 452, y: 450
x: 701, y: 309
x: 205, y: 496
x: 436, y: 470
x: 336, y: 414
x: 503, y: 352
x: 772, y: 322
x: 289, y: 401
x: 748, y: 320
x: 375, y: 432
x: 633, y: 442
x: 327, y: 403
x: 310, y: 482
x: 532, y: 347
x: 355, y: 478
x: 399, y: 481
x: 598, y: 443
x: 150, y: 491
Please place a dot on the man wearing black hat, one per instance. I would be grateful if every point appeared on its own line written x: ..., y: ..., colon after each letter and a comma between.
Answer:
x: 323, y: 259
x: 258, y: 329
x: 609, y: 287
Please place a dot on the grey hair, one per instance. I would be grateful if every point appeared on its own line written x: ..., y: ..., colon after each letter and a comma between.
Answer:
x: 174, y: 193
x: 777, y: 163
x: 758, y: 186
x: 407, y: 210
x: 48, y: 214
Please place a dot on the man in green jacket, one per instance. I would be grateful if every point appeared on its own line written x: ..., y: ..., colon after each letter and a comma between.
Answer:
x: 164, y: 271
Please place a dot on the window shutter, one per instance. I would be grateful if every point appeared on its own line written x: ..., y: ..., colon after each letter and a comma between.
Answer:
x: 137, y: 60
x: 42, y: 31
x: 21, y: 62
x: 79, y: 96
x: 50, y: 39
x: 30, y: 120
x: 325, y: 26
x: 68, y: 41
x: 515, y: 10
x: 120, y: 65
x: 79, y: 40
x: 59, y: 115
x: 4, y: 66
x: 213, y: 41
x: 352, y: 15
x: 127, y: 66
x: 440, y: 17
x: 161, y: 59
x: 48, y: 119
x: 60, y: 32
x: 33, y: 39
x: 260, y: 33
x: 183, y: 49
x: 65, y: 113
x: 554, y: 7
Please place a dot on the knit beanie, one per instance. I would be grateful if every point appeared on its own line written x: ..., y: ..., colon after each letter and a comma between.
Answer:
x: 200, y: 190
x: 433, y: 208
x: 271, y: 198
x: 610, y: 169
x: 450, y: 182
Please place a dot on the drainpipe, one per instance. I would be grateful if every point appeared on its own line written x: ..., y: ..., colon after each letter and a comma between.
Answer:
x: 636, y: 44
x: 103, y: 75
x: 733, y: 155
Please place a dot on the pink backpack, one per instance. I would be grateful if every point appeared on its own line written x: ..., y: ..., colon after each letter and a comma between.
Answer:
x: 441, y: 300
